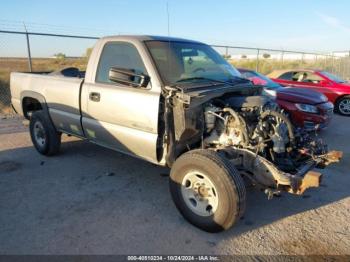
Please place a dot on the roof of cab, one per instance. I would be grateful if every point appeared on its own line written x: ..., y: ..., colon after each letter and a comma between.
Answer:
x: 143, y: 38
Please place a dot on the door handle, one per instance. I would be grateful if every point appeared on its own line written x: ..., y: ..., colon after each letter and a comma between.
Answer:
x: 94, y: 96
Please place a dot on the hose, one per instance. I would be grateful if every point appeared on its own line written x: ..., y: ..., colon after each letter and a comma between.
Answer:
x: 239, y: 123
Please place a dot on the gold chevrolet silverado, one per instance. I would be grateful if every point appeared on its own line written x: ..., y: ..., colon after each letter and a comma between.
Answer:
x: 176, y: 103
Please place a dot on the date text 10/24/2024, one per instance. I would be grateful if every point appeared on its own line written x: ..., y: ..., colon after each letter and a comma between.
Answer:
x: 174, y: 258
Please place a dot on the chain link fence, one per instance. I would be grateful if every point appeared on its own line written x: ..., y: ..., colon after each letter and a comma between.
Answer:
x: 22, y: 51
x: 38, y: 52
x: 266, y: 60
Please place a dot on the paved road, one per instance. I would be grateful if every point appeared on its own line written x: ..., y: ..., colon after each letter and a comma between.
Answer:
x: 91, y: 200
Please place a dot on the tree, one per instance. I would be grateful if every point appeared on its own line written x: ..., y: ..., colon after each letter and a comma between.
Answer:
x: 244, y: 56
x: 88, y: 52
x: 266, y: 55
x: 60, y: 56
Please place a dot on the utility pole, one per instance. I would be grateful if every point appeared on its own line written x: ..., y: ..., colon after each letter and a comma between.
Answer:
x: 28, y: 49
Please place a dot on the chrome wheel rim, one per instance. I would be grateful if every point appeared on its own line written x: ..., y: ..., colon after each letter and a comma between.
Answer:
x: 344, y: 106
x: 39, y: 134
x: 199, y: 193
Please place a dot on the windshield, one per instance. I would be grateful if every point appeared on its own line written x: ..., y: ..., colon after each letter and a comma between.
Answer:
x: 260, y: 79
x: 333, y: 77
x: 190, y: 62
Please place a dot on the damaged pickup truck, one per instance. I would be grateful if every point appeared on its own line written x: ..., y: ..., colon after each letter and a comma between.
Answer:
x: 175, y: 103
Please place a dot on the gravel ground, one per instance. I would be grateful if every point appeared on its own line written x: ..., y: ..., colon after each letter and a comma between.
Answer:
x: 91, y: 200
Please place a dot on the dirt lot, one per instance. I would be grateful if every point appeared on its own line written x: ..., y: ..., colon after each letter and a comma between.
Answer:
x: 91, y: 200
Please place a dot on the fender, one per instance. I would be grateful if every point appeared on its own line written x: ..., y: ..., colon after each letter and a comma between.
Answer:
x: 35, y: 95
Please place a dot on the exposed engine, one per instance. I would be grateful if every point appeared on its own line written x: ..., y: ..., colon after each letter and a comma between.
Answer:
x: 257, y: 124
x: 251, y: 131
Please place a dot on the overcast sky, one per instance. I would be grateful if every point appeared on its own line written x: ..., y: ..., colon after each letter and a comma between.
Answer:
x: 319, y: 26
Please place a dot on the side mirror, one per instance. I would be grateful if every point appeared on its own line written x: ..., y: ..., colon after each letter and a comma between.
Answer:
x: 128, y: 77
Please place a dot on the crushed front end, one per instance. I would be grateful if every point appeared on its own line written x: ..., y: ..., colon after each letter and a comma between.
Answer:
x: 252, y: 132
x: 265, y: 147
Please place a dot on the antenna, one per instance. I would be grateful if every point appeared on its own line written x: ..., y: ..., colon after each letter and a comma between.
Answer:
x: 168, y: 53
x: 168, y: 16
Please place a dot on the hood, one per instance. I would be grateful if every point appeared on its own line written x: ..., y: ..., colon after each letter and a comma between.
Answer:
x: 301, y: 95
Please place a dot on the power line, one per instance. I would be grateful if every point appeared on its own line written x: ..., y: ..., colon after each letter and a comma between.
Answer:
x: 32, y: 26
x: 48, y: 34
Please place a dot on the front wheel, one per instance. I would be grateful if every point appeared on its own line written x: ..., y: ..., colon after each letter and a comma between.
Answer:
x: 342, y: 106
x: 207, y: 190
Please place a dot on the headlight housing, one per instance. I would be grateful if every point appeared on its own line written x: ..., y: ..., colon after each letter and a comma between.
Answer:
x: 307, y: 108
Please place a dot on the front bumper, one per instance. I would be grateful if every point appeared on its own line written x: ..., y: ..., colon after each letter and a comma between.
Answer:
x: 312, y: 178
x: 311, y: 121
x: 265, y: 174
x: 318, y: 121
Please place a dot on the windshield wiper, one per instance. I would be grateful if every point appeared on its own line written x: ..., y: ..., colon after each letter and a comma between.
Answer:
x: 231, y: 82
x: 201, y: 78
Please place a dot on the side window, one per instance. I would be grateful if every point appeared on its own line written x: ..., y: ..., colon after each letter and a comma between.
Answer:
x: 286, y: 76
x: 313, y: 78
x: 298, y: 76
x: 307, y: 77
x: 118, y: 54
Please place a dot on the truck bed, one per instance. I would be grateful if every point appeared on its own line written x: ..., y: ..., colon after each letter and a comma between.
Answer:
x: 60, y: 93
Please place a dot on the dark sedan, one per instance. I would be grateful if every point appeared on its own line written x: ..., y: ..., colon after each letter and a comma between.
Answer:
x: 307, y: 108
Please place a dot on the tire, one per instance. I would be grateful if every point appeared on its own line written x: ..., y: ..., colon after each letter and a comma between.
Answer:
x: 45, y: 138
x: 342, y: 106
x: 199, y: 207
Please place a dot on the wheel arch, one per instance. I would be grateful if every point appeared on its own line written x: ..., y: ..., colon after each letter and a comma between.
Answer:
x: 32, y: 101
x: 337, y: 101
x: 340, y: 97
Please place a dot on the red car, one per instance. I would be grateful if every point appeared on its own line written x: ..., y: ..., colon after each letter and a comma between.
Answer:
x: 336, y: 89
x: 307, y: 109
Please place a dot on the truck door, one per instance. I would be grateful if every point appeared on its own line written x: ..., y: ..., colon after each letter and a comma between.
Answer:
x: 118, y: 116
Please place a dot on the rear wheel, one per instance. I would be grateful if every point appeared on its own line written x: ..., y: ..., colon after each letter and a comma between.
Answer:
x: 342, y: 106
x: 44, y: 136
x: 207, y: 190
